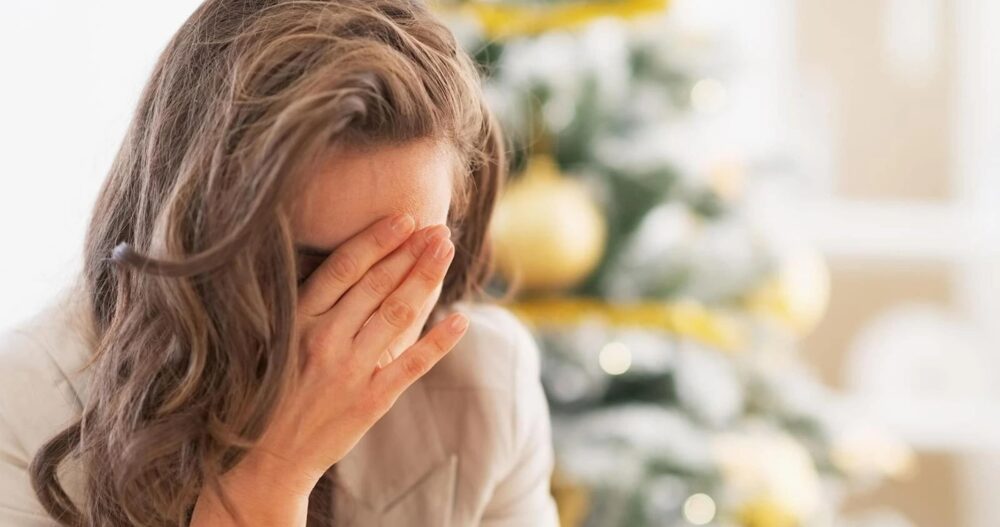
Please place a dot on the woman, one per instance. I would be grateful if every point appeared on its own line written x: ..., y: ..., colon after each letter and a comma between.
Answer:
x: 286, y: 244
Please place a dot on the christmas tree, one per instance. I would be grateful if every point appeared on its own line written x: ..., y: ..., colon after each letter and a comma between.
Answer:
x: 667, y: 320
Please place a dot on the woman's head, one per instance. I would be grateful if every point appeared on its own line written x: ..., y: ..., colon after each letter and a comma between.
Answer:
x: 269, y: 131
x: 251, y: 99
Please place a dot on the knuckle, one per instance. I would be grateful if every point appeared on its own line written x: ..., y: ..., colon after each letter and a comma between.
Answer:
x: 440, y: 345
x: 419, y: 244
x: 416, y: 248
x: 378, y: 281
x: 397, y: 313
x: 416, y: 366
x: 342, y: 268
x: 427, y: 275
x: 380, y: 239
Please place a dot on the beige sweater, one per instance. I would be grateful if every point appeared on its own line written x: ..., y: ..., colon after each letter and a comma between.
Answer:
x: 468, y: 444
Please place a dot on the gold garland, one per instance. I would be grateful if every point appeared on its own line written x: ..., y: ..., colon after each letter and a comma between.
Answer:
x: 501, y: 20
x: 689, y: 320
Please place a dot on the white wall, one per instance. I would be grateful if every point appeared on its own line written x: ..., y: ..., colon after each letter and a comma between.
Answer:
x: 70, y: 75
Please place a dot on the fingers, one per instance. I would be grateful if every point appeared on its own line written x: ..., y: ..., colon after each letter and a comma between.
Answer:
x: 351, y: 261
x: 358, y: 304
x: 400, y: 309
x: 421, y: 357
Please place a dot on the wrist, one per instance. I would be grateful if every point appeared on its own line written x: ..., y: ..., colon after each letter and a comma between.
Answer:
x: 264, y: 471
x: 262, y: 489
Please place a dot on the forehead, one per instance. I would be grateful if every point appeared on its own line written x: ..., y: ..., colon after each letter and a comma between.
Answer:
x: 352, y: 188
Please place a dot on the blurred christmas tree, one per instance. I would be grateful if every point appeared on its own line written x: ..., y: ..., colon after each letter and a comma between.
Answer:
x: 667, y: 320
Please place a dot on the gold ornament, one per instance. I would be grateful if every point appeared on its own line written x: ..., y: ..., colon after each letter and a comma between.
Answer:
x: 770, y: 476
x: 572, y: 499
x: 548, y: 231
x: 798, y: 294
x: 765, y: 513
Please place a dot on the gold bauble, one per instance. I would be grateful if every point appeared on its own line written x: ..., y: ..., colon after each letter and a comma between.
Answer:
x: 798, y: 294
x: 549, y: 233
x: 572, y: 499
x: 765, y: 513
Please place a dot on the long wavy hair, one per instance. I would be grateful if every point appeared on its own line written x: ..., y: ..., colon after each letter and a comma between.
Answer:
x: 190, y: 269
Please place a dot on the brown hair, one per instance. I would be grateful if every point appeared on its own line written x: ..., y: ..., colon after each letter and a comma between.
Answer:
x: 189, y: 263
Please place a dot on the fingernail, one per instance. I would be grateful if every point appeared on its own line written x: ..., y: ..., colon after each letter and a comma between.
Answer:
x: 444, y: 249
x: 402, y: 223
x: 458, y: 323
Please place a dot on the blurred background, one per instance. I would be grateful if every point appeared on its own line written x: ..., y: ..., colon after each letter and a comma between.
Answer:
x: 756, y: 240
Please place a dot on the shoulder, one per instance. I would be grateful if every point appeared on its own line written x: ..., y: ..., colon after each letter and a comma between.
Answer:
x: 487, y: 391
x: 42, y: 377
x: 491, y: 409
x: 497, y: 353
x: 41, y: 374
